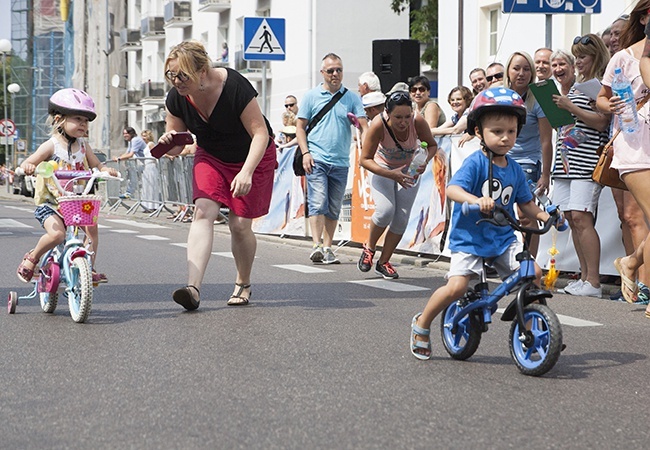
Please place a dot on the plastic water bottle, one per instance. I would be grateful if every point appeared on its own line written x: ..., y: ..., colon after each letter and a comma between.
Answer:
x: 628, y: 120
x: 419, y: 158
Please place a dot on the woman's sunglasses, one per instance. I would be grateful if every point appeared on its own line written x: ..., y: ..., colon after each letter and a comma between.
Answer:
x: 498, y: 76
x: 399, y: 98
x: 171, y: 76
x: 415, y: 89
x: 584, y: 40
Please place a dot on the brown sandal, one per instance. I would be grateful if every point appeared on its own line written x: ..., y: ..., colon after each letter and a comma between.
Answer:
x: 25, y: 274
x: 237, y: 299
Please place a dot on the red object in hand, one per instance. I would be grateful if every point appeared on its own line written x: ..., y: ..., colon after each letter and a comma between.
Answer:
x: 180, y: 138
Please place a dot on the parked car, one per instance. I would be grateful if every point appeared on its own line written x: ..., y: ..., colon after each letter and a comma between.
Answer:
x: 24, y: 185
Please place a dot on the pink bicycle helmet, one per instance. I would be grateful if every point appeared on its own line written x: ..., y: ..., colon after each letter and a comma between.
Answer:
x: 496, y: 99
x: 72, y: 101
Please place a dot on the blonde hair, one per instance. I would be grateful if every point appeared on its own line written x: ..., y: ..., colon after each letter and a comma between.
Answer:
x: 192, y: 59
x: 147, y: 135
x: 597, y: 50
x: 530, y: 98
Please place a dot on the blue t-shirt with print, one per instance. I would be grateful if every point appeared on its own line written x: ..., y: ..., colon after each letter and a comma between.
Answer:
x: 329, y: 141
x: 137, y: 146
x: 509, y: 187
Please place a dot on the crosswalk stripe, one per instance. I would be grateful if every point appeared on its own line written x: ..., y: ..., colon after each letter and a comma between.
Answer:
x: 5, y: 233
x: 568, y: 320
x: 224, y: 254
x: 152, y: 237
x: 124, y: 231
x: 386, y: 285
x: 179, y: 244
x: 11, y: 223
x: 20, y: 208
x: 302, y: 268
x: 133, y: 223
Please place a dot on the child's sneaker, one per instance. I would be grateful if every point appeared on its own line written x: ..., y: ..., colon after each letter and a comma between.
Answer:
x: 386, y: 270
x: 365, y: 260
x: 99, y: 278
x: 316, y: 253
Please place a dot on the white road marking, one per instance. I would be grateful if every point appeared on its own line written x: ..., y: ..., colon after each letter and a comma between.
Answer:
x: 180, y: 244
x: 133, y: 223
x: 390, y: 285
x: 153, y: 237
x: 124, y: 231
x: 20, y: 208
x: 5, y: 233
x: 100, y: 226
x: 303, y: 268
x: 11, y: 223
x: 224, y: 254
x: 568, y: 320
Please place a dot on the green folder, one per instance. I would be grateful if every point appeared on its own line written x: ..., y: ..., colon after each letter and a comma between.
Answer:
x: 544, y: 91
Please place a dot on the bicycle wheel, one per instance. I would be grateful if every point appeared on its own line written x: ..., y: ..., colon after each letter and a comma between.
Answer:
x: 49, y: 301
x: 537, y: 351
x: 48, y: 284
x: 80, y: 290
x: 462, y: 342
x: 12, y: 302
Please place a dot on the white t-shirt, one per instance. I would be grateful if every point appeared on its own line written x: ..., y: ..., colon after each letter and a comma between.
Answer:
x: 631, y: 152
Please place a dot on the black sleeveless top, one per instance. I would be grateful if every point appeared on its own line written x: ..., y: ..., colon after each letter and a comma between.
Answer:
x: 224, y: 136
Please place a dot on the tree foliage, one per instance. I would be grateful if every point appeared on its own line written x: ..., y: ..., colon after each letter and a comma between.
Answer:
x: 423, y: 25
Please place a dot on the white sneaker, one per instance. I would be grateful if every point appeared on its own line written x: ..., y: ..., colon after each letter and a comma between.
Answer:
x: 329, y: 257
x: 587, y: 290
x: 572, y: 287
x: 316, y: 253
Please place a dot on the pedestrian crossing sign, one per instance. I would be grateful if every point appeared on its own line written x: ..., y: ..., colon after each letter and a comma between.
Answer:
x: 264, y: 39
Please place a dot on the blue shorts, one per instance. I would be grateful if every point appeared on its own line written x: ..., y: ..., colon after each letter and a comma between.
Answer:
x: 533, y: 172
x: 43, y: 212
x: 325, y: 189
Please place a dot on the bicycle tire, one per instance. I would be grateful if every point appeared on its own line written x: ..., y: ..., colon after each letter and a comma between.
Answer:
x: 546, y: 332
x: 464, y: 342
x: 80, y: 290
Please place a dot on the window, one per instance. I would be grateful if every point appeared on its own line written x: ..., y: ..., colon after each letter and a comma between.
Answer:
x: 494, y: 31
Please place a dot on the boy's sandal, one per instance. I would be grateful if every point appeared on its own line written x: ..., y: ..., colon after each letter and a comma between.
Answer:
x: 184, y: 297
x: 25, y: 274
x: 417, y: 344
x: 237, y: 299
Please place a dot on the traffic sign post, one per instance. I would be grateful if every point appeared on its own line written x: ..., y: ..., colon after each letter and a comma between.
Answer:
x: 7, y: 127
x: 264, y: 40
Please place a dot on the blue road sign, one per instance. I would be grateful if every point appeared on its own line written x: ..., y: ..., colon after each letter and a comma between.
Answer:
x: 551, y: 6
x: 264, y: 39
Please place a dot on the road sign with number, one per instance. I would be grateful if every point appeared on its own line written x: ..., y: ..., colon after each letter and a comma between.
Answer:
x: 551, y: 6
x: 7, y: 127
x: 264, y: 39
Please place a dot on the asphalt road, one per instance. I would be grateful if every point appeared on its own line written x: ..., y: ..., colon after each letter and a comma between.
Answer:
x: 319, y: 360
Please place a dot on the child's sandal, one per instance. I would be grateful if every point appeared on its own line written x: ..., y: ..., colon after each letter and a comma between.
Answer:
x: 24, y: 273
x: 417, y: 344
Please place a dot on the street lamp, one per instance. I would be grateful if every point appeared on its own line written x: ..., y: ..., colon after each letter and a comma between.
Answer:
x: 13, y: 89
x: 5, y: 47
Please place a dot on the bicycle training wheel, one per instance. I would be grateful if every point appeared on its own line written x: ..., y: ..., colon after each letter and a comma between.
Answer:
x: 538, y: 349
x: 80, y: 290
x: 12, y: 302
x: 461, y: 342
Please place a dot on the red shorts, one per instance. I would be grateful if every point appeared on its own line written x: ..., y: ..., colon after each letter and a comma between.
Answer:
x: 212, y: 179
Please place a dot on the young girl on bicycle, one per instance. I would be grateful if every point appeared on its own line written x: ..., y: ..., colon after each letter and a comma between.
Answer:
x: 496, y: 117
x: 70, y: 112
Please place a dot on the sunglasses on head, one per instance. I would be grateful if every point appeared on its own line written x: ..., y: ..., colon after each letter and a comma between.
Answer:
x: 415, y: 89
x: 289, y: 105
x: 171, y: 76
x: 584, y: 40
x: 335, y: 69
x: 498, y: 76
x: 399, y: 98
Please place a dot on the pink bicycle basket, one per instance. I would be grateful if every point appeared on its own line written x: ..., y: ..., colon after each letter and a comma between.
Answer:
x: 80, y: 210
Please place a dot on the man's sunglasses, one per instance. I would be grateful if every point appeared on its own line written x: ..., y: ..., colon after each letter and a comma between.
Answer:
x: 498, y: 76
x: 415, y: 89
x: 335, y: 69
x: 171, y: 76
x: 289, y: 105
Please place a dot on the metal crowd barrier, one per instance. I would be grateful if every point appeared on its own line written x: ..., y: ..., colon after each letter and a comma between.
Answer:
x: 153, y: 185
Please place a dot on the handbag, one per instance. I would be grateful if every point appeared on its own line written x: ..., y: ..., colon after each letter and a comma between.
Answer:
x: 603, y: 173
x: 298, y: 169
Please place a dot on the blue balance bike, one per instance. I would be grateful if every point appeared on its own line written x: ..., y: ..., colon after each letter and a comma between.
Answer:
x: 67, y: 267
x: 535, y: 334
